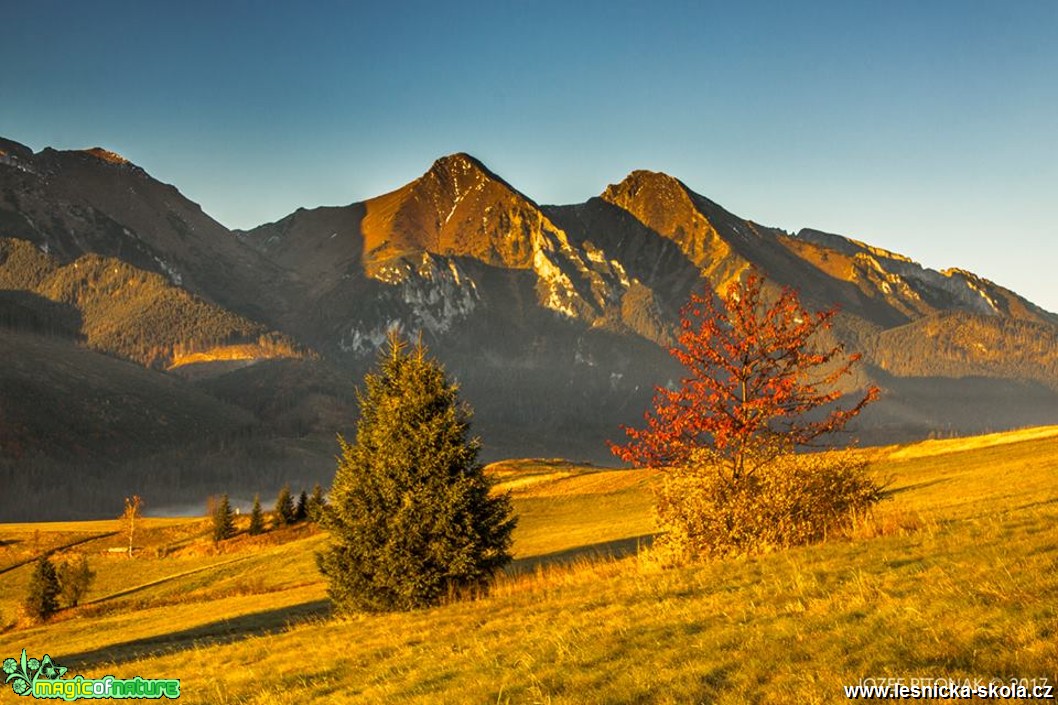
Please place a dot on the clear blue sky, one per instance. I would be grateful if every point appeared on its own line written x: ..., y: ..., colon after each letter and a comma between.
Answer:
x: 929, y: 128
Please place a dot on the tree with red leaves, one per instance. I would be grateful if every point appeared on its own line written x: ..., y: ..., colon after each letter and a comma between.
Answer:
x: 757, y: 386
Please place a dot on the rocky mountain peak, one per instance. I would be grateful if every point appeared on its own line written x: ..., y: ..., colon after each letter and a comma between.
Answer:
x: 10, y: 148
x: 106, y: 155
x: 644, y: 185
x: 450, y: 179
x: 458, y: 207
x: 457, y: 164
x: 460, y: 175
x: 666, y: 206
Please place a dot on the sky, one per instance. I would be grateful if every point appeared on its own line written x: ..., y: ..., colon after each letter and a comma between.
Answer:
x: 928, y: 129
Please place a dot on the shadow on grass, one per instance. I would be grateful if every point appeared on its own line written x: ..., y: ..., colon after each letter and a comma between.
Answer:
x: 160, y: 581
x: 225, y: 631
x: 1020, y: 509
x: 229, y: 631
x: 50, y: 551
x: 917, y: 486
x: 618, y: 548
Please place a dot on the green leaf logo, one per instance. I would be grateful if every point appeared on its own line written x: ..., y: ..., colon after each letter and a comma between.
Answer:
x: 22, y: 674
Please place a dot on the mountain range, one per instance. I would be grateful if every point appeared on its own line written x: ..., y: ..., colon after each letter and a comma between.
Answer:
x: 150, y: 349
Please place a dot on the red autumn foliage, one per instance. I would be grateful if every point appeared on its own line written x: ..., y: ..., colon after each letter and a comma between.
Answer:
x: 754, y: 380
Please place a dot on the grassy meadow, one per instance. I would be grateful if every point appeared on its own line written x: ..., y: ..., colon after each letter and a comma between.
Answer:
x: 956, y: 576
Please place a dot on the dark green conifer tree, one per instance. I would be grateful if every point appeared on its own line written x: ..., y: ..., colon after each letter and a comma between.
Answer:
x: 410, y: 515
x: 256, y: 517
x: 42, y: 598
x: 317, y: 503
x: 285, y: 507
x: 301, y: 510
x: 223, y: 520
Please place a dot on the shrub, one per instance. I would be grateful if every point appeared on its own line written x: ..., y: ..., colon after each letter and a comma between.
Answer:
x: 761, y: 381
x: 75, y: 577
x: 793, y: 500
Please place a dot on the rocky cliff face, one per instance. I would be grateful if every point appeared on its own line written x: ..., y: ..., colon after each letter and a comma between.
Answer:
x: 459, y: 208
x: 432, y: 239
x: 908, y: 286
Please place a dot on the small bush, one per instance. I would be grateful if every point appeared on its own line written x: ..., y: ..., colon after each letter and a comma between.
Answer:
x: 75, y: 577
x: 794, y: 500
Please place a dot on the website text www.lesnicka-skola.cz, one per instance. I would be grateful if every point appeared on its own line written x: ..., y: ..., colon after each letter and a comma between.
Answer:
x: 950, y: 689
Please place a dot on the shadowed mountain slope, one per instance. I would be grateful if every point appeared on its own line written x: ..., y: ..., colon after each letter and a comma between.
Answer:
x: 135, y: 314
x: 71, y: 203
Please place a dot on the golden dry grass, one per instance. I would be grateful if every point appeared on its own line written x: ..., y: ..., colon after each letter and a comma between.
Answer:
x: 955, y: 445
x: 956, y: 577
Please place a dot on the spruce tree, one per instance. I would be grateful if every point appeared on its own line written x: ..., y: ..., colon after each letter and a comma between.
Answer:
x: 285, y: 507
x: 42, y: 599
x: 223, y: 520
x: 410, y: 515
x: 317, y: 503
x: 256, y: 517
x: 301, y: 510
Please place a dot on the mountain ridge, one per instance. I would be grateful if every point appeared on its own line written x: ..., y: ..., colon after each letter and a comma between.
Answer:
x: 555, y: 319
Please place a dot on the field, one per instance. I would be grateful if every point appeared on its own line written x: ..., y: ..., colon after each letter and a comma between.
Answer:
x: 956, y: 577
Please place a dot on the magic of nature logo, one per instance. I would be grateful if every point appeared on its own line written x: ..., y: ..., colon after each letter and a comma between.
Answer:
x: 43, y: 678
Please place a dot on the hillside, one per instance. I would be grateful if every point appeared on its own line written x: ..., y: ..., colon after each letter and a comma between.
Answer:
x: 109, y: 399
x: 72, y: 407
x: 135, y: 314
x: 953, y: 578
x: 115, y: 415
x: 963, y: 344
x: 29, y: 312
x: 289, y: 397
x: 72, y: 203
